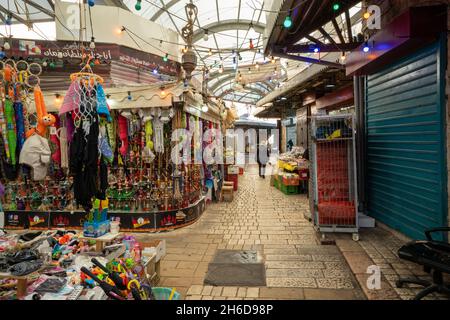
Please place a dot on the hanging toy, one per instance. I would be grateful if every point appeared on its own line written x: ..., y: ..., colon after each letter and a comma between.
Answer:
x: 44, y: 119
x: 123, y: 135
x: 11, y: 130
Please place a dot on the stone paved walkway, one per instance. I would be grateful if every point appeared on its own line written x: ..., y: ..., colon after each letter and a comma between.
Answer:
x: 260, y: 218
x: 297, y: 266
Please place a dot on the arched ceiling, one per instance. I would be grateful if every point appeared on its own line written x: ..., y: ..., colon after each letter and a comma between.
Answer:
x: 230, y: 24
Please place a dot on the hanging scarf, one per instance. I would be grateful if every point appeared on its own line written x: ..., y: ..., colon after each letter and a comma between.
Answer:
x: 56, y: 156
x: 63, y: 143
x: 4, y: 130
x: 20, y: 125
x: 158, y: 135
x: 123, y: 135
x: 11, y: 130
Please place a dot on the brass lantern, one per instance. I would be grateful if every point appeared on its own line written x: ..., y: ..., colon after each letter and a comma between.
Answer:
x: 189, y: 58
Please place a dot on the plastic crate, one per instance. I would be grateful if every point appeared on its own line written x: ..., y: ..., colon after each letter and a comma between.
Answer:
x: 161, y: 293
x: 276, y: 183
x: 288, y: 189
x: 234, y: 178
x: 290, y: 181
x: 303, y: 174
x: 96, y: 229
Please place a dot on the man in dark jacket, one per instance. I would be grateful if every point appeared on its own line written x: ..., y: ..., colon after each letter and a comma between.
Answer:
x: 262, y: 157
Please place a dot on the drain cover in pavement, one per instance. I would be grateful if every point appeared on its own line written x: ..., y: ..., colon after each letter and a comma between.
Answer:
x: 236, y: 268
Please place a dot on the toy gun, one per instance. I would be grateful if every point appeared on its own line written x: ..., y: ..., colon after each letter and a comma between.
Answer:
x: 111, y: 291
x: 114, y: 276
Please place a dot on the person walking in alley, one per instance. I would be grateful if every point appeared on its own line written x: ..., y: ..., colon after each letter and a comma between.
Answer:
x: 262, y: 157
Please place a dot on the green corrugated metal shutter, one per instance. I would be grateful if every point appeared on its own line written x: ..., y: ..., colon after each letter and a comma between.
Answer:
x: 406, y: 169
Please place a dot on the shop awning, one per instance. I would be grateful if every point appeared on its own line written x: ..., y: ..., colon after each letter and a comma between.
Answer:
x: 298, y: 79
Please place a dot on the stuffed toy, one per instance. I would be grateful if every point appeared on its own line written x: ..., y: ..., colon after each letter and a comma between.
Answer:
x: 44, y: 119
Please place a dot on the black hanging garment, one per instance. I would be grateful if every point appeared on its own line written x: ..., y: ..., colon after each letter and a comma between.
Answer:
x: 84, y: 156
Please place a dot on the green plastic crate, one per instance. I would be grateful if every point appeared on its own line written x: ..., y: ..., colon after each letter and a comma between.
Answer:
x: 276, y: 183
x: 288, y: 189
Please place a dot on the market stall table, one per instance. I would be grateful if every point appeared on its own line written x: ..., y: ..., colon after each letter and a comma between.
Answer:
x: 100, y: 241
x: 22, y: 281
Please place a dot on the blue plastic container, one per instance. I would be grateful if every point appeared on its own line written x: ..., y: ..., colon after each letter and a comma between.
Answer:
x: 162, y: 293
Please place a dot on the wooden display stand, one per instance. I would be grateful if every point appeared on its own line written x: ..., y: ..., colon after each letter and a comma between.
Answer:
x: 227, y: 191
x: 101, y: 241
x: 153, y: 265
x: 22, y: 282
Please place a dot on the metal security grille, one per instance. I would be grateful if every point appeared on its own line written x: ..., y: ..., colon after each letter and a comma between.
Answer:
x: 333, y: 152
x: 406, y: 144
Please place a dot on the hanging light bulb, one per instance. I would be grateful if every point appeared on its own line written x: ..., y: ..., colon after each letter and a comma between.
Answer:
x: 110, y: 102
x: 205, y: 35
x: 163, y: 92
x: 160, y: 43
x: 44, y: 63
x: 251, y: 44
x: 52, y: 64
x: 205, y: 108
x: 343, y: 56
x: 249, y: 70
x: 166, y: 57
x: 155, y: 71
x: 257, y: 66
x: 210, y: 53
x: 129, y: 95
x: 138, y: 5
x: 60, y: 55
x: 57, y: 98
x: 273, y: 59
x: 240, y: 57
x: 91, y: 3
x: 336, y: 6
x: 221, y: 69
x: 251, y: 28
x: 366, y: 47
x: 316, y: 49
x: 287, y: 23
x: 92, y: 43
x: 6, y: 45
x: 366, y: 15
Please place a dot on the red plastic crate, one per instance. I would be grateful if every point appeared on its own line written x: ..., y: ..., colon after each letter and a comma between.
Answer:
x: 337, y: 213
x: 291, y: 181
x: 234, y: 178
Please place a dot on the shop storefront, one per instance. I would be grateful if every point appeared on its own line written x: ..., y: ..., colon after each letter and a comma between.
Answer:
x: 405, y: 126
